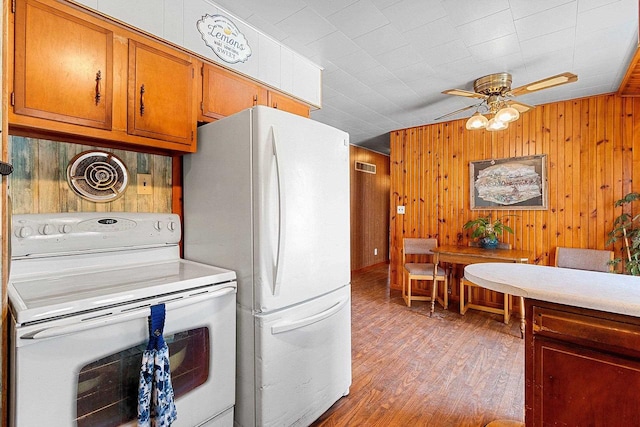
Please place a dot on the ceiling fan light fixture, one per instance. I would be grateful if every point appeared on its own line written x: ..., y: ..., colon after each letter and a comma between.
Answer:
x: 477, y: 121
x: 507, y: 115
x: 495, y: 125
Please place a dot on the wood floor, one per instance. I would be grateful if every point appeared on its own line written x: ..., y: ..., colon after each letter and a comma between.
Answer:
x: 413, y: 370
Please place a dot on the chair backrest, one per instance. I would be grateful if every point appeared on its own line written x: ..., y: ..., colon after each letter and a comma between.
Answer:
x: 584, y: 259
x: 501, y: 245
x: 417, y: 246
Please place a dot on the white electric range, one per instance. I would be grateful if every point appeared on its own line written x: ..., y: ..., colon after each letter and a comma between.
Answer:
x: 80, y: 290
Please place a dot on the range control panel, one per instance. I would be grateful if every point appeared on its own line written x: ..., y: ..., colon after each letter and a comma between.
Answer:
x: 34, y: 234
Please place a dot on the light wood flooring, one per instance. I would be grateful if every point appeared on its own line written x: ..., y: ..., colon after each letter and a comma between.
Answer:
x: 410, y: 369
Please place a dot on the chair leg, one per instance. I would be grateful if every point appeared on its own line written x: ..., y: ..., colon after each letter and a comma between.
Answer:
x: 404, y: 282
x: 408, y: 300
x: 434, y: 297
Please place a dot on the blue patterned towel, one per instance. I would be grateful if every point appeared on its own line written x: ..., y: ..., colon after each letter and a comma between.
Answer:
x: 156, y: 407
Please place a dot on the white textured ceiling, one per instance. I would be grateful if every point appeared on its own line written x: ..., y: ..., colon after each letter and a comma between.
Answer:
x: 386, y: 62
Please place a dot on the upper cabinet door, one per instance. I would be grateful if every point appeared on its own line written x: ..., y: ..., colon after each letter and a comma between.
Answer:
x: 225, y: 93
x: 160, y: 95
x: 285, y: 103
x: 63, y: 67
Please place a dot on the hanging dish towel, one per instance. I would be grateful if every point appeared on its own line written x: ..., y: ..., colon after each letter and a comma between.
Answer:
x: 156, y: 407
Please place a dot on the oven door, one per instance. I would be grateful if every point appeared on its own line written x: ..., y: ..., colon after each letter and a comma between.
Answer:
x: 86, y: 373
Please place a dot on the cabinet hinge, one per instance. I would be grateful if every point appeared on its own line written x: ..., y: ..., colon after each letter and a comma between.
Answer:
x: 192, y: 135
x: 13, y: 6
x: 13, y: 99
x: 202, y: 106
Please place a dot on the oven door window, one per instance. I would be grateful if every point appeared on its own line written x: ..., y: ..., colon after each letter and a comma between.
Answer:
x: 107, y: 389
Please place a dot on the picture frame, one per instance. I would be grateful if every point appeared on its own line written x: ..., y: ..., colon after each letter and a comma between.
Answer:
x: 515, y: 183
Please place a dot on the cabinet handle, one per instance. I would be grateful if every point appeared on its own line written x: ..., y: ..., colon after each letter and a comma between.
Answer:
x: 142, y: 100
x: 275, y: 105
x: 98, y: 80
x: 255, y: 100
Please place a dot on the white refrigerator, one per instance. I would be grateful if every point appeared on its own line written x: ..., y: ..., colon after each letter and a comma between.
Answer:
x: 267, y: 195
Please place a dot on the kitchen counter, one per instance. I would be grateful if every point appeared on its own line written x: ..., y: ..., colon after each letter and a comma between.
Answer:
x: 610, y: 292
x: 582, y: 342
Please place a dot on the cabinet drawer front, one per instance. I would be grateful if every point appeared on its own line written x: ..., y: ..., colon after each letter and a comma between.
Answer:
x: 63, y: 67
x: 609, y: 335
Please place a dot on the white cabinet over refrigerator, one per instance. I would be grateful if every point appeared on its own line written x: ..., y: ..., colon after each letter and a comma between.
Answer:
x: 267, y: 195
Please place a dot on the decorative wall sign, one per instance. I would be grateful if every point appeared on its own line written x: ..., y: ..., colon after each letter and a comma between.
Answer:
x: 514, y: 183
x: 224, y: 38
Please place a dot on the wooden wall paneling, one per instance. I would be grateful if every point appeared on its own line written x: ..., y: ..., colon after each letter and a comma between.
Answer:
x: 39, y: 183
x: 431, y: 199
x: 369, y: 209
x: 598, y: 166
x: 565, y: 142
x: 612, y: 163
x: 592, y: 159
x: 589, y: 144
x: 585, y: 173
x: 397, y: 199
x: 414, y: 203
x: 556, y: 218
x: 576, y: 168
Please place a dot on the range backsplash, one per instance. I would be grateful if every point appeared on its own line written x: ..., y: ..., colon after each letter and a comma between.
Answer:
x: 38, y: 183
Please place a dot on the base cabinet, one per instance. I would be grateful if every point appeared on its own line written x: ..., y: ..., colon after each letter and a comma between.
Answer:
x: 582, y: 367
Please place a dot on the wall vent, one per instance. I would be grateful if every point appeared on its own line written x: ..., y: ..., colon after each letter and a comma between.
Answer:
x: 97, y: 176
x: 365, y: 167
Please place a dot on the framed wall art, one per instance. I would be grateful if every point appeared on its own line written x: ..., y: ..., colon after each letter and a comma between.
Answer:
x: 513, y: 183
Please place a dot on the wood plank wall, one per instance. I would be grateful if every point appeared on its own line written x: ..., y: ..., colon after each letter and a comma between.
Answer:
x: 593, y: 148
x: 38, y: 183
x: 369, y: 209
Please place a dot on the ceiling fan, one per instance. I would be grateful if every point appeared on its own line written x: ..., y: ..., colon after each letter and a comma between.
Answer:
x: 497, y: 99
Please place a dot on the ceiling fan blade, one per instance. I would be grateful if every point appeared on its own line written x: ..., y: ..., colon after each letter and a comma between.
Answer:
x: 552, y: 81
x: 461, y: 92
x: 520, y: 106
x: 456, y: 112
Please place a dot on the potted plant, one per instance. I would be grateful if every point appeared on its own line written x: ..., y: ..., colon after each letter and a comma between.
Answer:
x: 487, y: 230
x: 626, y: 227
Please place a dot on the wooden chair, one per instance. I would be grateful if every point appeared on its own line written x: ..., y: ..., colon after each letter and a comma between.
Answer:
x: 584, y: 259
x: 422, y: 271
x: 505, y: 311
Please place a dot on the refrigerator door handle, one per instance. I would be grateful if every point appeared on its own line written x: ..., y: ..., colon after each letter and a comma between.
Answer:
x: 276, y: 276
x: 297, y: 324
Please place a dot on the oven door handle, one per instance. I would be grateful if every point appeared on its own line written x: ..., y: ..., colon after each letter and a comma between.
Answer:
x: 141, y: 312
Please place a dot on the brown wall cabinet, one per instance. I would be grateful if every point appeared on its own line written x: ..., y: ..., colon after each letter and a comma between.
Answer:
x: 283, y: 102
x: 160, y: 101
x: 81, y: 77
x: 225, y: 93
x: 581, y: 367
x: 63, y: 67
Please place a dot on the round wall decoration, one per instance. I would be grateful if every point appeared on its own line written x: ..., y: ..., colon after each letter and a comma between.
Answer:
x: 97, y: 176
